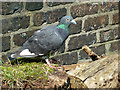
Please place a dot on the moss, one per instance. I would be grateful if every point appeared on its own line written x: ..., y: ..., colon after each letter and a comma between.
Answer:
x: 17, y: 75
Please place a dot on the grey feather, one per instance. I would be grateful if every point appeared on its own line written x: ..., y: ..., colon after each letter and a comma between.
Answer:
x: 47, y: 39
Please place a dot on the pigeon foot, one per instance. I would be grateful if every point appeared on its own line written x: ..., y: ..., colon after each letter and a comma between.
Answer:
x: 53, y: 67
x: 48, y: 63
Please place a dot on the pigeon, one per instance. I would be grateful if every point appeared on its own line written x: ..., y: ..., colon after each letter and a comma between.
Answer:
x: 44, y: 41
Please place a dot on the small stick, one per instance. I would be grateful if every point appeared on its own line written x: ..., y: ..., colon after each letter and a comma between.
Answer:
x: 92, y: 54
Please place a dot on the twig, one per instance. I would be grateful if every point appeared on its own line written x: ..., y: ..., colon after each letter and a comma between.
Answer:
x: 92, y: 54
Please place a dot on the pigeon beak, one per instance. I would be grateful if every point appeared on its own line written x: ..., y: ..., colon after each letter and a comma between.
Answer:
x: 73, y: 21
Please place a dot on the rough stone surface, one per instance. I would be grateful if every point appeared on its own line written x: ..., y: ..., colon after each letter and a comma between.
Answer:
x: 95, y: 23
x: 51, y: 4
x: 116, y: 19
x: 11, y: 7
x: 5, y: 43
x: 102, y: 73
x: 67, y: 58
x: 83, y: 56
x: 110, y: 34
x: 117, y: 33
x: 106, y: 35
x: 31, y: 6
x: 115, y: 46
x: 38, y: 19
x: 99, y: 50
x: 108, y: 6
x: 49, y: 17
x: 77, y: 42
x: 74, y: 29
x: 55, y: 15
x: 19, y: 39
x: 84, y: 9
x: 15, y: 23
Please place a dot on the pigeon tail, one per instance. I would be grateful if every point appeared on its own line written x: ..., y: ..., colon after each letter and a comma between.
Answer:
x: 22, y: 52
x: 12, y: 56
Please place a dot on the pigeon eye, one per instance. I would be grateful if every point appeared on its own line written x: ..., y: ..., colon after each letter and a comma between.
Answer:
x: 68, y: 19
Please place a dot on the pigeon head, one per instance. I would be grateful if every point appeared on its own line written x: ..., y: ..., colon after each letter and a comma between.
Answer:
x: 67, y: 20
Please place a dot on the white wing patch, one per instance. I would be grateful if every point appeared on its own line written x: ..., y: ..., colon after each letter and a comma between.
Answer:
x: 26, y: 52
x: 41, y: 54
x: 12, y: 55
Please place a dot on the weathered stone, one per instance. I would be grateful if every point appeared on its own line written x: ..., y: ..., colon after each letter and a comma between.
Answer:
x: 117, y: 33
x: 95, y: 23
x: 51, y: 4
x: 11, y: 7
x: 116, y: 19
x: 5, y: 43
x: 115, y: 46
x: 108, y: 6
x: 39, y: 19
x: 84, y: 9
x: 32, y: 6
x: 109, y: 35
x: 15, y: 23
x: 102, y: 73
x: 99, y: 50
x: 77, y: 42
x: 68, y: 58
x: 106, y: 35
x: 83, y: 55
x: 49, y: 17
x: 74, y: 29
x: 55, y: 15
x: 19, y: 39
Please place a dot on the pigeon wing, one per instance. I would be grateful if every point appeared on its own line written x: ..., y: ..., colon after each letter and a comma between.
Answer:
x: 45, y: 40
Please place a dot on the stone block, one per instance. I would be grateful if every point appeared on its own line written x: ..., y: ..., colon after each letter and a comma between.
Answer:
x: 108, y: 6
x: 19, y: 39
x: 84, y: 9
x: 32, y: 6
x: 77, y: 42
x: 74, y: 29
x: 67, y: 58
x: 109, y: 35
x: 94, y: 23
x: 51, y: 4
x: 15, y: 23
x: 115, y: 46
x: 49, y: 16
x: 116, y: 19
x: 5, y: 43
x: 11, y: 7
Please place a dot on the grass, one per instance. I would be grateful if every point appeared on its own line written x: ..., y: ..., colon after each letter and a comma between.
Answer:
x: 25, y: 74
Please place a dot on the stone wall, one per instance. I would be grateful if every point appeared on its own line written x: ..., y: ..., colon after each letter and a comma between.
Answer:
x: 97, y: 26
